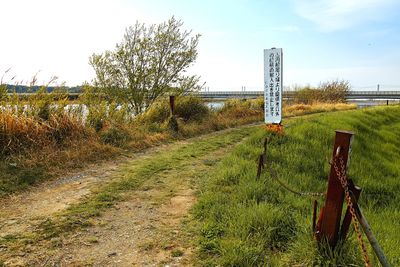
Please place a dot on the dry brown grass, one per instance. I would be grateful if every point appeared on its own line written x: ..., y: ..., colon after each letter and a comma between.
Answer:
x: 142, y: 140
x: 303, y: 109
x: 33, y: 149
x: 21, y: 133
x: 217, y: 122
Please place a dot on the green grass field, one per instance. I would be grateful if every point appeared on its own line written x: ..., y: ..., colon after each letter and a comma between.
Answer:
x: 247, y: 222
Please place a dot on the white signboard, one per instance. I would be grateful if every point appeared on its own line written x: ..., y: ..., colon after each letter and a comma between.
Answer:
x: 273, y: 85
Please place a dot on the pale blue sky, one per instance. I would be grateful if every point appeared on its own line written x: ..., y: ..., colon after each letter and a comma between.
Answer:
x: 356, y: 40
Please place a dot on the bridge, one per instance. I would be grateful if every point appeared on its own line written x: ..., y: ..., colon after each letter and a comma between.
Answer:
x: 352, y: 95
x: 222, y: 95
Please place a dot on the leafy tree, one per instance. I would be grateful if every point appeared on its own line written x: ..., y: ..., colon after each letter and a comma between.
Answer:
x: 149, y: 63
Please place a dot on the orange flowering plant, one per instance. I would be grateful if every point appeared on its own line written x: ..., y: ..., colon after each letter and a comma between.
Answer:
x: 275, y: 128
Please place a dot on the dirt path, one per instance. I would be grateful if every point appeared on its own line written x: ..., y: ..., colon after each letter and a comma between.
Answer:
x: 145, y: 229
x: 17, y: 212
x: 20, y: 211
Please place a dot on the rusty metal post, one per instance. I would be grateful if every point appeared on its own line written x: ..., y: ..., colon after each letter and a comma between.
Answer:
x: 329, y: 223
x: 371, y: 237
x: 356, y: 191
x: 172, y: 104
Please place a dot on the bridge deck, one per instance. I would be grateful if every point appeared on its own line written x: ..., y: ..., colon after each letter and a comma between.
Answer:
x: 352, y: 95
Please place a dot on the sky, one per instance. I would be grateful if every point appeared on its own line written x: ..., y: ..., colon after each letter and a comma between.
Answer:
x: 354, y: 40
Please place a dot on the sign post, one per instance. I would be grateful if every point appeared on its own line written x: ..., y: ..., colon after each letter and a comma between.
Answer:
x: 273, y: 85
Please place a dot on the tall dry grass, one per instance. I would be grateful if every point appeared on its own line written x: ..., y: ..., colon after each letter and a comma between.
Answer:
x: 20, y: 133
x: 303, y: 109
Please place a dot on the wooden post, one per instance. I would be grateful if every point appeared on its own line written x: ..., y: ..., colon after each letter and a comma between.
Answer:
x: 329, y: 223
x: 172, y: 104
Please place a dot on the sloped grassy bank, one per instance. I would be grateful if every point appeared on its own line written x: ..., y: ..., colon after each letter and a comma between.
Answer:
x: 245, y: 222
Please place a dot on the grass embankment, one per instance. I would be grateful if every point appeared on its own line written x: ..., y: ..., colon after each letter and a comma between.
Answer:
x: 155, y: 170
x: 249, y: 222
x: 42, y: 136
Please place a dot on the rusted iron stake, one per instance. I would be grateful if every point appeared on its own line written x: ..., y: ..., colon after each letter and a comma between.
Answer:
x: 172, y: 104
x: 260, y: 165
x: 329, y: 223
x: 356, y: 191
x: 370, y: 235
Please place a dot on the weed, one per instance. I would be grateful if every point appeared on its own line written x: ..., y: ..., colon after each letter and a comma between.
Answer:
x: 177, y: 253
x: 115, y: 135
x: 191, y: 108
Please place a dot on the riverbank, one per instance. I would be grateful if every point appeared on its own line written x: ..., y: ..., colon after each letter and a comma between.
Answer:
x: 46, y: 144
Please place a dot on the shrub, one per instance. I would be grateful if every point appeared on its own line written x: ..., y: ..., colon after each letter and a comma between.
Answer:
x: 235, y: 103
x: 115, y: 135
x: 96, y: 116
x: 157, y: 113
x: 188, y: 108
x: 172, y: 124
x: 191, y: 108
x: 258, y: 103
x: 335, y: 91
x: 307, y: 95
x: 331, y: 92
x: 241, y: 108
